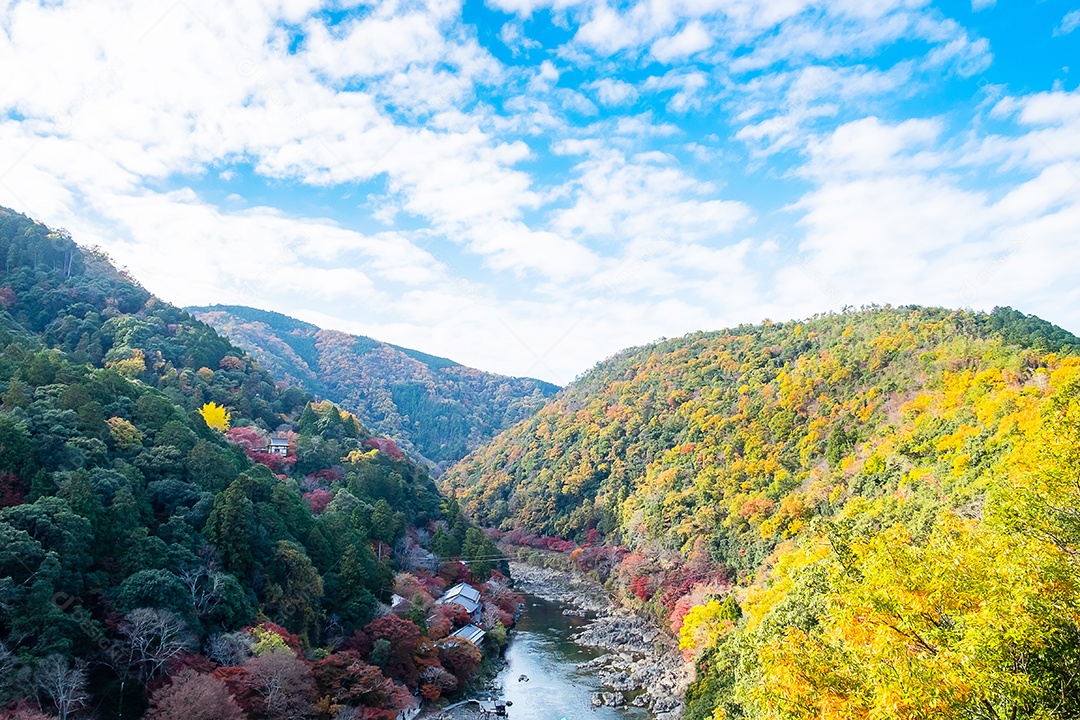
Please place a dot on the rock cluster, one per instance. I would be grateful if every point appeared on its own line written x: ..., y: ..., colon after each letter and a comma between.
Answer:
x: 561, y: 587
x: 641, y: 668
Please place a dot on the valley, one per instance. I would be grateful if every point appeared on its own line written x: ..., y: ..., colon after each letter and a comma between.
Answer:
x: 863, y: 514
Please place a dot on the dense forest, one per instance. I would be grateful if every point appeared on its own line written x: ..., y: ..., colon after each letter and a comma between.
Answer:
x: 158, y: 557
x: 435, y: 408
x: 870, y: 514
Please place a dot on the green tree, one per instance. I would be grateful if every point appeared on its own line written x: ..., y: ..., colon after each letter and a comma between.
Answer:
x: 230, y: 528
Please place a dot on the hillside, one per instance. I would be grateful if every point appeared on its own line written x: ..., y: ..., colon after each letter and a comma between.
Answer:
x: 153, y: 550
x: 434, y: 407
x: 867, y: 514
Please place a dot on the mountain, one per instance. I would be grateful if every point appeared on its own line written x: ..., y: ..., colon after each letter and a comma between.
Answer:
x: 866, y: 514
x: 434, y: 407
x: 154, y: 546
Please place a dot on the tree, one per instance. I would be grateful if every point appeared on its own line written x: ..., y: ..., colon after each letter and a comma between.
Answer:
x: 124, y: 435
x: 215, y: 416
x: 192, y: 696
x: 149, y: 640
x: 63, y: 684
x: 386, y: 525
x: 404, y: 638
x: 480, y: 553
x: 215, y: 595
x: 296, y: 590
x: 344, y: 679
x: 460, y: 657
x: 231, y: 527
x: 153, y: 589
x: 284, y: 682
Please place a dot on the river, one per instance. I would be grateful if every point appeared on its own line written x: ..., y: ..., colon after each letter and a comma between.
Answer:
x: 541, y: 649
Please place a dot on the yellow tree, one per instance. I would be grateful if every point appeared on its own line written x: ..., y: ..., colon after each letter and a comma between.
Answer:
x: 970, y: 622
x: 215, y: 416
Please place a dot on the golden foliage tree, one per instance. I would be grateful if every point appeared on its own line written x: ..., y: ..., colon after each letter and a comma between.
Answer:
x: 215, y: 416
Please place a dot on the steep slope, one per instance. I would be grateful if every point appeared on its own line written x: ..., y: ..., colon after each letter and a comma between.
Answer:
x: 149, y: 540
x: 859, y: 515
x: 433, y: 406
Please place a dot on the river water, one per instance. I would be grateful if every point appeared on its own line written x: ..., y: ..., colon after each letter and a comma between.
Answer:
x: 541, y: 649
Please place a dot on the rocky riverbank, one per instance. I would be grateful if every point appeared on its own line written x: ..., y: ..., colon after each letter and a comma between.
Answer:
x: 642, y: 666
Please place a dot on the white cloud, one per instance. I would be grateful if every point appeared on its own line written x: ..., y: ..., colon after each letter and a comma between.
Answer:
x: 691, y: 39
x: 620, y: 199
x: 977, y: 5
x: 887, y: 222
x: 536, y: 215
x: 513, y: 36
x: 688, y: 84
x: 614, y: 93
x: 1070, y: 22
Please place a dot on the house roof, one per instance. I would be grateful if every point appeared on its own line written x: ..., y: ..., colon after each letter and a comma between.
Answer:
x: 471, y: 633
x: 278, y: 441
x: 463, y: 590
x: 464, y: 595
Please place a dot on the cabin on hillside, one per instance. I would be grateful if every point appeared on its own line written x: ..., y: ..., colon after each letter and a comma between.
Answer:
x: 278, y: 446
x: 467, y: 597
x: 471, y: 633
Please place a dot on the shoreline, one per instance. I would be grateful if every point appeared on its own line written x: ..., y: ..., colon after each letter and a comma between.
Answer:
x: 641, y: 666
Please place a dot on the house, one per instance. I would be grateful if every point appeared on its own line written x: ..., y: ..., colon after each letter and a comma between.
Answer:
x: 467, y: 597
x: 278, y: 446
x: 471, y: 633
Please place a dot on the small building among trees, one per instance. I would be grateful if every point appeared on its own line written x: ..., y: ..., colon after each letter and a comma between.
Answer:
x: 471, y: 633
x: 467, y: 597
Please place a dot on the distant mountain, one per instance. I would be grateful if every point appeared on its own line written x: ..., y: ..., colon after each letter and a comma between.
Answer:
x: 435, y: 407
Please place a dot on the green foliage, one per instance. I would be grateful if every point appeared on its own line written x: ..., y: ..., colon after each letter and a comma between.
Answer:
x: 117, y: 501
x: 159, y: 589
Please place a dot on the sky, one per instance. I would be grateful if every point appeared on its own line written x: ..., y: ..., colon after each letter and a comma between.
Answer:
x: 529, y: 186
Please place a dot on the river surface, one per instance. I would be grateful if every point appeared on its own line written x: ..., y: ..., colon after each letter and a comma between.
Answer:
x: 541, y: 649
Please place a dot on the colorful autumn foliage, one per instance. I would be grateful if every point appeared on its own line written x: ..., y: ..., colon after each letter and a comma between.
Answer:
x: 863, y: 515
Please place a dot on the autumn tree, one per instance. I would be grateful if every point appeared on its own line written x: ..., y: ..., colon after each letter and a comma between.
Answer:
x: 284, y: 683
x: 215, y: 416
x: 193, y: 696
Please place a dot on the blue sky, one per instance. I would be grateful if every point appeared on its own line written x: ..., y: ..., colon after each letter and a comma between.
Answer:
x: 528, y: 186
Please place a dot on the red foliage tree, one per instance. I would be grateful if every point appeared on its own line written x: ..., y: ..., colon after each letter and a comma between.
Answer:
x: 239, y: 684
x: 317, y: 500
x: 454, y: 572
x: 249, y: 438
x: 23, y: 711
x: 345, y: 679
x: 404, y: 639
x: 277, y: 463
x: 386, y: 446
x: 643, y: 587
x: 12, y: 491
x: 460, y: 657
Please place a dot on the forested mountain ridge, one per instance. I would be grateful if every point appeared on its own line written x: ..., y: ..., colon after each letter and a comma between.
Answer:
x: 153, y: 549
x: 434, y: 407
x: 866, y: 514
